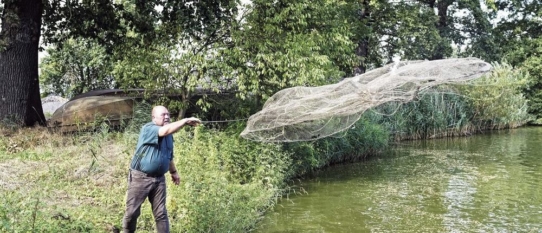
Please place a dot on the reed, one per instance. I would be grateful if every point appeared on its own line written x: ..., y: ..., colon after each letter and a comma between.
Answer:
x: 492, y: 102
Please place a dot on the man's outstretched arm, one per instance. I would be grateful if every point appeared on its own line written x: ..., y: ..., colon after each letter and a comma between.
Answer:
x: 175, y: 126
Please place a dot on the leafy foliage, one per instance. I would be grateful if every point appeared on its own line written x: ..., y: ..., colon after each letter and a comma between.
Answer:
x: 76, y: 67
x: 172, y: 52
x: 97, y: 20
x: 413, y: 30
x: 519, y: 32
x: 364, y: 139
x: 526, y: 56
x: 287, y: 43
x: 163, y: 47
x: 533, y: 65
x: 384, y: 30
x: 496, y: 99
x: 262, y: 47
x: 228, y: 182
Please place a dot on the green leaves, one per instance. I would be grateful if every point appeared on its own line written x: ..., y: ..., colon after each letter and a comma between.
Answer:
x: 227, y: 182
x: 531, y: 51
x: 265, y: 46
x: 283, y: 44
x: 74, y: 67
x: 496, y: 99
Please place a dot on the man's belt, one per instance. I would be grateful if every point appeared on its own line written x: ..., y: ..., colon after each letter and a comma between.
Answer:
x: 145, y: 174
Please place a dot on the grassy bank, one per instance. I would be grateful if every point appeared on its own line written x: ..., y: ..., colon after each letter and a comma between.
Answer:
x: 76, y: 183
x: 55, y: 183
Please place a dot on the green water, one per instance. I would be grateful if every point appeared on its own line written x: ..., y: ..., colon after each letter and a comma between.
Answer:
x: 482, y: 183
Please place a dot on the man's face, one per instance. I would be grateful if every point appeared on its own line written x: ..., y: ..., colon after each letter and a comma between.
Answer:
x: 161, y: 117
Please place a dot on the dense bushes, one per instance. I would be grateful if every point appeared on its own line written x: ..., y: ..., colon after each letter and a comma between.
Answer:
x: 227, y: 182
x: 496, y: 101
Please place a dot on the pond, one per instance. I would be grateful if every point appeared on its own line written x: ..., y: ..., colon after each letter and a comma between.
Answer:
x: 481, y: 183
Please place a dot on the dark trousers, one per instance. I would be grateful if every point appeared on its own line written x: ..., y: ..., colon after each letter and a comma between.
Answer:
x: 140, y: 187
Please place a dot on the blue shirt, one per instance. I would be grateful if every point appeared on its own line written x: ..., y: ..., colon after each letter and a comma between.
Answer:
x: 153, y: 153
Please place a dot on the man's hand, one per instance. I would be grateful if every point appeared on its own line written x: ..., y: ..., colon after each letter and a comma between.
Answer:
x: 192, y: 121
x: 172, y: 127
x: 176, y: 178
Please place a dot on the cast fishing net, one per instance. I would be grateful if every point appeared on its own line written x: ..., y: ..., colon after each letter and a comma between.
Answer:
x: 310, y: 113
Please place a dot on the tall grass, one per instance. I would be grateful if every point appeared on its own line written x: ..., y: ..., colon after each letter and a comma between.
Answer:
x: 441, y: 112
x: 77, y: 182
x: 61, y: 183
x: 494, y: 101
x: 227, y: 182
x: 365, y: 138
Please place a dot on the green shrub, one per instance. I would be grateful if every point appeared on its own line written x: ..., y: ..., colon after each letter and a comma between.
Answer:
x: 227, y: 182
x: 496, y: 100
x: 363, y: 139
x: 19, y: 213
x: 493, y: 101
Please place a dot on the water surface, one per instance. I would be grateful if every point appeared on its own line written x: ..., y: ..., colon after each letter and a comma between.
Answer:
x: 482, y: 183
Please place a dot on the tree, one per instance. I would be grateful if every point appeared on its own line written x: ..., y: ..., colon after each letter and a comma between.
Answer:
x: 520, y: 44
x: 109, y: 23
x: 385, y: 29
x: 478, y: 35
x: 414, y: 30
x: 280, y: 44
x: 20, y: 101
x: 19, y: 45
x: 181, y: 55
x: 75, y: 67
x: 165, y: 52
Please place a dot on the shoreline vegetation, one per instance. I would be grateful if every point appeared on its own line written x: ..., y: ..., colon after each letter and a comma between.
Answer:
x: 54, y: 182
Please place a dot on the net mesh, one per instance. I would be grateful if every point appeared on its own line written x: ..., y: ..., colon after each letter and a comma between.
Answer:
x: 310, y: 113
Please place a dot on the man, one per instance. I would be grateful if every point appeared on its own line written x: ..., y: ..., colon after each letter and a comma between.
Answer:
x: 152, y: 159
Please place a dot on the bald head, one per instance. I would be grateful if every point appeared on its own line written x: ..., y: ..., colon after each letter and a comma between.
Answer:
x: 160, y: 115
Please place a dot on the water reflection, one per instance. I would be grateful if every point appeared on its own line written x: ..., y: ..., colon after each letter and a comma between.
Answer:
x: 458, y: 199
x: 483, y: 183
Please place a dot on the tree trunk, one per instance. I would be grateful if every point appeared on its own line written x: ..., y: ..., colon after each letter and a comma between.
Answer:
x: 443, y: 29
x: 20, y: 100
x: 362, y: 50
